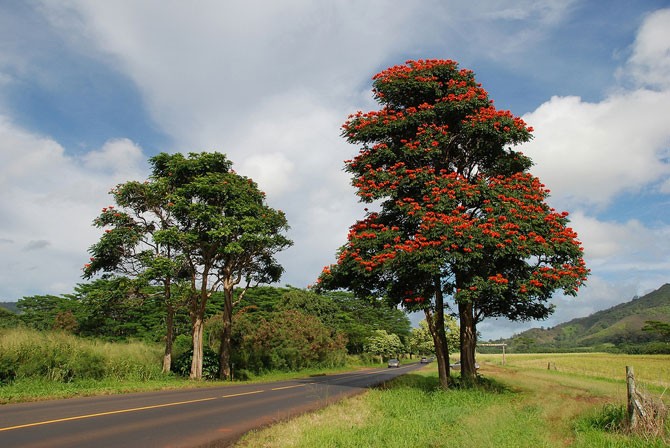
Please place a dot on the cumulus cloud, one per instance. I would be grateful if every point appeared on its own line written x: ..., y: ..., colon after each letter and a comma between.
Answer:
x: 591, y: 153
x: 49, y: 200
x: 207, y: 68
x: 649, y: 64
x: 119, y: 157
x: 588, y: 153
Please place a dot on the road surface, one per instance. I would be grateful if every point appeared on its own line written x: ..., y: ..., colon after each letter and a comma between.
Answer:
x: 211, y: 417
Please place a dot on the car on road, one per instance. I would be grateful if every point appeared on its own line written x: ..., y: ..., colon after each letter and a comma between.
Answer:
x: 393, y: 362
x: 424, y: 360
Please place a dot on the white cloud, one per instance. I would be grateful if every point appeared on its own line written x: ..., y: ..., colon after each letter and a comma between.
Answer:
x: 48, y: 202
x: 119, y: 157
x: 209, y: 67
x: 588, y: 153
x: 272, y: 171
x: 649, y: 64
x: 629, y: 250
x: 543, y: 13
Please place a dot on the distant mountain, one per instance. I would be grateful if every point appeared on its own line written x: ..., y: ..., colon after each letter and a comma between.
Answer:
x: 619, y: 327
x: 11, y: 306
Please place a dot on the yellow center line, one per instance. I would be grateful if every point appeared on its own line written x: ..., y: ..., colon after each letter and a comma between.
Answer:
x: 291, y: 387
x: 100, y: 414
x: 243, y: 393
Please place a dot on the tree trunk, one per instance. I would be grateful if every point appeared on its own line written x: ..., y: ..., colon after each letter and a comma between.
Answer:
x: 169, y: 338
x: 441, y: 354
x: 227, y: 333
x: 197, y: 311
x: 468, y: 333
x: 436, y: 327
x: 196, y: 363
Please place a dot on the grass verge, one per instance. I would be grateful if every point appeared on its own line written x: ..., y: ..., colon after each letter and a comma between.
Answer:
x: 513, y: 408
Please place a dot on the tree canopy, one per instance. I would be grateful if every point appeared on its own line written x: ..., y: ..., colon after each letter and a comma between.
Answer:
x: 196, y: 221
x: 459, y: 214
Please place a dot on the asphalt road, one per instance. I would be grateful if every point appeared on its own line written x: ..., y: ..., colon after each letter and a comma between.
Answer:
x: 212, y: 417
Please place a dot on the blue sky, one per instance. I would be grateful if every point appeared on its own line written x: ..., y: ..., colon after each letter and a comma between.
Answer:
x: 90, y: 90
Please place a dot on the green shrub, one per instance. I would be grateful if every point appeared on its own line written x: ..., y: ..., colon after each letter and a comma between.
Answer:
x: 210, y: 364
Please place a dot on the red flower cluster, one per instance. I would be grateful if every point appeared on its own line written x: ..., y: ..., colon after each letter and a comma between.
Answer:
x: 412, y: 67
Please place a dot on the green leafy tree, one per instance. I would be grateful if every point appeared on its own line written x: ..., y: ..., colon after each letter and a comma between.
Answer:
x: 66, y: 321
x: 114, y: 308
x: 340, y: 311
x: 384, y: 344
x: 194, y: 227
x: 460, y: 217
x: 8, y: 319
x: 140, y: 242
x: 40, y: 312
x: 225, y: 233
x: 358, y: 319
x: 658, y: 327
x: 282, y: 340
x: 421, y: 339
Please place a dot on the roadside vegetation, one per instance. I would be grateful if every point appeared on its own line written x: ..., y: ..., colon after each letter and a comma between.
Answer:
x: 511, y: 407
x: 275, y: 329
x: 38, y: 365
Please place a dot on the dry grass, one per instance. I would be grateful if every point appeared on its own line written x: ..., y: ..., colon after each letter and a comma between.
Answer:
x: 649, y: 369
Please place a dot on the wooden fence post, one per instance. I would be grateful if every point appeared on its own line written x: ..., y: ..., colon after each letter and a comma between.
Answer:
x: 635, y: 407
x: 630, y: 386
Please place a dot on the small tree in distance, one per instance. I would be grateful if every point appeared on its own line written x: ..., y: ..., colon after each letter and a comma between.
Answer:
x: 459, y: 216
x: 421, y: 339
x: 384, y: 344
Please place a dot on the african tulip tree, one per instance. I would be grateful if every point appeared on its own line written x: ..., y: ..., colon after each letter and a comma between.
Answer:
x: 460, y: 217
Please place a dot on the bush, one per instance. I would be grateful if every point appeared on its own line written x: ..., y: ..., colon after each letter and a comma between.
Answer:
x: 287, y: 340
x: 210, y: 364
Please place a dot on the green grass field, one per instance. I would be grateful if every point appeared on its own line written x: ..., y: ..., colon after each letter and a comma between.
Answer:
x: 650, y: 370
x: 517, y: 407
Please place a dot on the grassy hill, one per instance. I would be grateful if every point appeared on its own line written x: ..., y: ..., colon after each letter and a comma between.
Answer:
x: 616, y: 329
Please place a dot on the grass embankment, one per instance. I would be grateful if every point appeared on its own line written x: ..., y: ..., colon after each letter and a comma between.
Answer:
x: 38, y: 365
x: 35, y: 365
x: 515, y: 407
